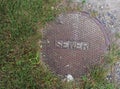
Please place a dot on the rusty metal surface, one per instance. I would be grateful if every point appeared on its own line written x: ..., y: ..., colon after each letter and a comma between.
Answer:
x: 72, y: 43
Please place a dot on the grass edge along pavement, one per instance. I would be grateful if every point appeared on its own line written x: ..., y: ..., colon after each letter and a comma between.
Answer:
x: 20, y: 66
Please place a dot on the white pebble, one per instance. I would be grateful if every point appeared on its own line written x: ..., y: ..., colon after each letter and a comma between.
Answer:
x: 69, y: 78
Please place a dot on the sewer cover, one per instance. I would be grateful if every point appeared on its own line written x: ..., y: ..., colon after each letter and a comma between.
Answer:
x: 73, y: 43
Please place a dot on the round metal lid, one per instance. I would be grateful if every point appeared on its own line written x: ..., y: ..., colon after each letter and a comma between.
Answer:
x: 72, y: 43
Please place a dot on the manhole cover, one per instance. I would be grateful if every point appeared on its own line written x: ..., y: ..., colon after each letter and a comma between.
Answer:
x: 72, y: 43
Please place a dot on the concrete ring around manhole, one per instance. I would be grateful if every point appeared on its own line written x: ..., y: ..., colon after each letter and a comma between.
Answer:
x: 72, y: 43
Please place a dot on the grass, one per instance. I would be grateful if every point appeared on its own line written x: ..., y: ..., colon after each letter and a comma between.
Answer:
x: 20, y: 67
x: 96, y: 79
